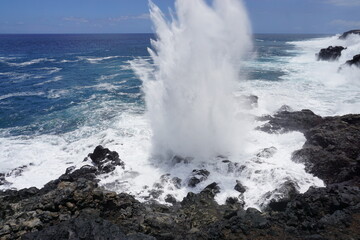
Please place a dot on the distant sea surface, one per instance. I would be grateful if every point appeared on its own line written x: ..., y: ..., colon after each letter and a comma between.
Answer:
x: 53, y: 84
x: 62, y: 95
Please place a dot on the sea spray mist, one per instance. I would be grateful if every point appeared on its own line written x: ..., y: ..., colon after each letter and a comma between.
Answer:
x: 189, y: 84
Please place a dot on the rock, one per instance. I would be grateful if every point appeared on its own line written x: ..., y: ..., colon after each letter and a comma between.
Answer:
x: 331, y: 150
x: 84, y: 227
x: 211, y: 189
x: 178, y: 159
x: 249, y: 102
x: 105, y: 160
x: 291, y: 121
x: 354, y: 62
x: 198, y: 176
x: 267, y: 152
x: 3, y: 179
x: 170, y: 199
x: 285, y: 108
x: 330, y: 54
x: 346, y: 34
x: 281, y: 196
x: 239, y: 187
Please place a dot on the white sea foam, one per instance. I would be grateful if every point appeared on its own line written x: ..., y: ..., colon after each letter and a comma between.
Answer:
x: 108, y: 77
x: 31, y: 62
x: 54, y: 79
x: 21, y: 94
x: 97, y: 59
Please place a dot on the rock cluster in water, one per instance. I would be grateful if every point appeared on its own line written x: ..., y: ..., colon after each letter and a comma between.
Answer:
x: 333, y: 53
x: 330, y: 54
x: 346, y: 34
x: 74, y: 206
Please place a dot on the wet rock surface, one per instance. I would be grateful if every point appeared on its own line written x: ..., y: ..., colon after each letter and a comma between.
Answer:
x: 105, y: 160
x: 74, y: 206
x: 346, y: 34
x: 354, y: 62
x: 330, y: 54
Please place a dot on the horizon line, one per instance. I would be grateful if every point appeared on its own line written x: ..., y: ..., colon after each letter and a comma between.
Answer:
x: 90, y: 33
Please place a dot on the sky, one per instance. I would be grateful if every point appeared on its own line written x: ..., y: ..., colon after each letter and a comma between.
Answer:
x: 131, y: 16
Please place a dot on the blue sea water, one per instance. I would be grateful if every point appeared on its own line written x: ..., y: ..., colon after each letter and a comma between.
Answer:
x: 56, y: 83
x: 62, y: 95
x: 50, y: 83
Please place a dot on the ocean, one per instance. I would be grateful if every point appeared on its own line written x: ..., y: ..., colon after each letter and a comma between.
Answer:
x: 62, y: 95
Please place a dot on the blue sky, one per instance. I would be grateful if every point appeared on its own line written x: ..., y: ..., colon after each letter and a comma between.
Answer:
x: 131, y: 16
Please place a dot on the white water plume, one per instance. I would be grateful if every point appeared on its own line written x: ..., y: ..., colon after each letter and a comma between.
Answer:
x: 189, y: 85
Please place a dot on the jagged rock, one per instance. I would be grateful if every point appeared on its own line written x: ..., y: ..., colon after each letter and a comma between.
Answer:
x: 331, y: 150
x: 211, y: 189
x: 170, y: 199
x: 105, y: 160
x: 330, y: 54
x: 2, y: 179
x: 239, y: 187
x: 355, y: 61
x: 285, y: 108
x: 178, y: 159
x: 83, y: 227
x: 346, y: 34
x: 198, y: 176
x: 291, y: 121
x: 281, y: 196
x: 267, y: 152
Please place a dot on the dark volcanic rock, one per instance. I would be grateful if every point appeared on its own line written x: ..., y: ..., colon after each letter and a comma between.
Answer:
x: 332, y: 150
x: 355, y: 61
x: 105, y: 160
x: 281, y: 196
x: 198, y: 176
x: 346, y: 34
x: 291, y: 121
x: 239, y: 187
x: 83, y: 227
x: 330, y: 54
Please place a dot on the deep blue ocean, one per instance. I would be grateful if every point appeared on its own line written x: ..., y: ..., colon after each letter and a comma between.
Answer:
x: 55, y: 83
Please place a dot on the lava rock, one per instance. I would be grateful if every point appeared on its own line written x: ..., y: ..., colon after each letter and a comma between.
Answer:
x: 346, y: 34
x: 291, y: 121
x: 354, y: 62
x: 330, y: 54
x: 82, y: 227
x: 331, y: 150
x: 267, y: 152
x: 170, y: 199
x: 198, y: 176
x: 239, y: 187
x: 282, y: 195
x: 105, y: 160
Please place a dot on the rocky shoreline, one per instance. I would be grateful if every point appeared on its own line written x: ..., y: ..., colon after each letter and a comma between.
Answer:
x: 74, y: 206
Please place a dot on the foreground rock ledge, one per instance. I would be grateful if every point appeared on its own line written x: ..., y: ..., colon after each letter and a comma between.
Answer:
x: 75, y: 207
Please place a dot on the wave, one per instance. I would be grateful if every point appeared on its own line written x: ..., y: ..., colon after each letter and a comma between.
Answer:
x: 108, y: 77
x: 51, y: 70
x: 55, y: 79
x: 34, y: 61
x: 97, y: 59
x: 52, y: 94
x: 21, y: 94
